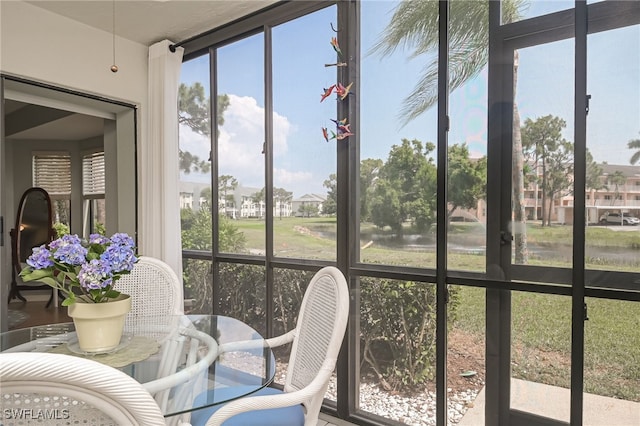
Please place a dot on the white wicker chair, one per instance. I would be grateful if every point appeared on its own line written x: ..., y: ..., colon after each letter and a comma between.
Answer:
x: 154, y: 288
x: 54, y: 389
x: 157, y: 302
x: 316, y: 341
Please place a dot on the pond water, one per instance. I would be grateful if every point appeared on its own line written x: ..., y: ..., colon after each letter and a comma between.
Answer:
x: 475, y: 244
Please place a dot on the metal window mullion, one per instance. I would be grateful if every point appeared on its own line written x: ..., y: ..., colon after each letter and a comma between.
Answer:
x: 579, y: 182
x: 268, y: 175
x: 441, y: 216
x: 347, y: 172
x: 215, y: 167
x: 499, y: 198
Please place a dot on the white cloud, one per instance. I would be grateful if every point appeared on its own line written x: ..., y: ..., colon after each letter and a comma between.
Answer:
x: 287, y: 179
x: 241, y: 141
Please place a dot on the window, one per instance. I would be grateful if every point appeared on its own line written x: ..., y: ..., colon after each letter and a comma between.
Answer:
x: 52, y: 172
x: 371, y: 203
x: 93, y: 193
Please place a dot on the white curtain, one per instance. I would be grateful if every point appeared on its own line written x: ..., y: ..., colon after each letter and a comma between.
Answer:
x: 159, y: 191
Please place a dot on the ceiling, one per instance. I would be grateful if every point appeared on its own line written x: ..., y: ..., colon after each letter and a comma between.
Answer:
x: 141, y: 21
x: 148, y: 22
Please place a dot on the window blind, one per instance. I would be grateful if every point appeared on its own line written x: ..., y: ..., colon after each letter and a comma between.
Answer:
x: 93, y: 174
x: 52, y: 172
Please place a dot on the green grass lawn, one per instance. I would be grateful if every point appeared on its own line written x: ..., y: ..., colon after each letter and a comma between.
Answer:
x: 541, y: 324
x: 541, y: 340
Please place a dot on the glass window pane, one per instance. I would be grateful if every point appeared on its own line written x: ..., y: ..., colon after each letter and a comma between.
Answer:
x: 544, y: 127
x: 612, y: 362
x: 613, y: 138
x: 243, y: 293
x: 194, y: 146
x: 196, y: 276
x: 466, y: 355
x: 397, y: 175
x: 467, y: 175
x: 516, y: 10
x: 541, y: 354
x: 241, y: 139
x: 397, y: 329
x: 304, y: 204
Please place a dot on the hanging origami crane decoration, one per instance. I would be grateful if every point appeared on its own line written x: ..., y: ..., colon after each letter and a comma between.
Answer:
x: 341, y: 125
x: 343, y: 129
x: 340, y: 135
x: 337, y: 64
x: 342, y: 91
x: 325, y: 134
x: 327, y: 92
x: 336, y: 46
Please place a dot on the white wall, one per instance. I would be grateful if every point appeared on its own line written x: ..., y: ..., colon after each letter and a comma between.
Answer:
x: 39, y: 45
x: 46, y: 47
x: 42, y: 46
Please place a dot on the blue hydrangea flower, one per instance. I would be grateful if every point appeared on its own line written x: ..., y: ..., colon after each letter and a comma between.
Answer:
x: 40, y: 258
x: 122, y: 239
x: 63, y: 241
x: 98, y: 239
x: 71, y: 254
x: 95, y: 275
x: 119, y: 257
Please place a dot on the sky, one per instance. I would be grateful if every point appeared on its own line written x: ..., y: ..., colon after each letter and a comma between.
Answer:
x: 303, y: 160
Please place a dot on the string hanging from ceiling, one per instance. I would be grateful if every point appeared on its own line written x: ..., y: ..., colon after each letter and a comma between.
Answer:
x: 114, y: 67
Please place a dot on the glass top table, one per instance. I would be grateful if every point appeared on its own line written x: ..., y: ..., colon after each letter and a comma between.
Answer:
x: 177, y: 359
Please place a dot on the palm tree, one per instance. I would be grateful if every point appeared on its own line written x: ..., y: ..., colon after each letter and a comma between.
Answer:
x: 414, y: 25
x: 616, y: 179
x: 634, y: 144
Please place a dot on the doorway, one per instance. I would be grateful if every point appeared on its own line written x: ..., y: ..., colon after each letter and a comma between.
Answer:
x: 96, y: 138
x: 546, y: 315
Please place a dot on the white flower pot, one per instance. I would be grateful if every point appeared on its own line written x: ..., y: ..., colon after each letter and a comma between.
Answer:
x: 99, y: 325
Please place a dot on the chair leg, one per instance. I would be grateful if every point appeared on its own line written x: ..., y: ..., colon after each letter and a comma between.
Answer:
x: 53, y: 298
x: 15, y: 293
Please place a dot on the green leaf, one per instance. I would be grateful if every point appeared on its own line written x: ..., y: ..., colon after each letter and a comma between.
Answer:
x: 31, y: 275
x: 70, y: 300
x: 112, y: 294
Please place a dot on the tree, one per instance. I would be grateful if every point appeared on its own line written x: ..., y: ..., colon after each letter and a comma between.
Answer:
x: 540, y: 138
x: 467, y: 179
x: 406, y: 188
x: 330, y: 206
x: 634, y: 144
x: 281, y: 197
x: 194, y: 111
x: 227, y: 184
x: 369, y: 171
x: 197, y: 234
x: 308, y: 209
x: 559, y: 174
x: 616, y: 179
x: 206, y: 195
x: 414, y: 25
x: 594, y: 174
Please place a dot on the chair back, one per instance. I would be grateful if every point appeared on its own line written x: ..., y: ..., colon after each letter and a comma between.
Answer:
x: 154, y: 288
x: 65, y: 390
x: 320, y: 328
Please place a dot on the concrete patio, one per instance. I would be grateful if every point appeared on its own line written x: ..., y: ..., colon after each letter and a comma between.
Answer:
x: 554, y: 402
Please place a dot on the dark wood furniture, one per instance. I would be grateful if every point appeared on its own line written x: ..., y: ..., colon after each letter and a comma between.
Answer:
x: 34, y: 227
